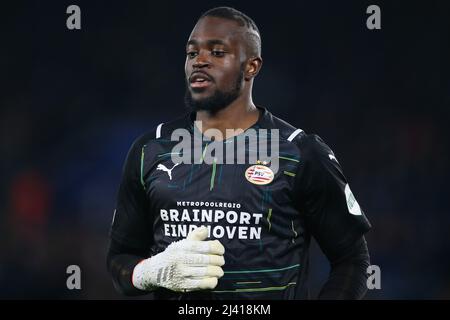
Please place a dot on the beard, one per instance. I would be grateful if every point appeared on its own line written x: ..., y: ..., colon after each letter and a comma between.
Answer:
x: 218, y: 100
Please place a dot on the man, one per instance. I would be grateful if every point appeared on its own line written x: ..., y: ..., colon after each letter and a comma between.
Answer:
x: 255, y: 221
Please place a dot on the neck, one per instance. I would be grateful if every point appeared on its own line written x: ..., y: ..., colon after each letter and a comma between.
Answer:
x: 240, y: 115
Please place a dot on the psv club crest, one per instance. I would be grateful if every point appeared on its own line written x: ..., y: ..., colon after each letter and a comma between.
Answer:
x: 259, y: 174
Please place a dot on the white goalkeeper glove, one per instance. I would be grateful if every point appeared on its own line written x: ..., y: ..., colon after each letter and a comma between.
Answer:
x: 186, y: 265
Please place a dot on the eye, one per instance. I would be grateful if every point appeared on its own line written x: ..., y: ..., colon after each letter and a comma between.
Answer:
x: 191, y: 54
x: 218, y: 53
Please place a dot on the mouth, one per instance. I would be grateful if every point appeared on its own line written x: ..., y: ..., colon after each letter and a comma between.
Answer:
x: 200, y: 80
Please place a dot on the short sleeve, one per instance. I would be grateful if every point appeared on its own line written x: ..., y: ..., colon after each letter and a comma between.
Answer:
x: 131, y: 225
x: 330, y: 210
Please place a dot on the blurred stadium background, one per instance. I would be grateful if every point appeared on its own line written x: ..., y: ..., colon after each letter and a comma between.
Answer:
x: 73, y: 101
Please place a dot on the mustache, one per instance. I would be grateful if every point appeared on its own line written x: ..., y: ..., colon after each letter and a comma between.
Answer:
x: 201, y: 72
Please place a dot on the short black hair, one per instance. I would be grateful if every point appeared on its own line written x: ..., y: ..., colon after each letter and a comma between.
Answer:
x: 253, y: 37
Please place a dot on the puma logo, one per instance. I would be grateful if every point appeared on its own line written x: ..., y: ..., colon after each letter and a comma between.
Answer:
x: 164, y: 168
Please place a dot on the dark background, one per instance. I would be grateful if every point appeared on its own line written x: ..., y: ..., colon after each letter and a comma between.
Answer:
x: 73, y: 101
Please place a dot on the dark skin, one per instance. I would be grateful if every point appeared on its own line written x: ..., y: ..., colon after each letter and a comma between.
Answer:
x: 219, y: 48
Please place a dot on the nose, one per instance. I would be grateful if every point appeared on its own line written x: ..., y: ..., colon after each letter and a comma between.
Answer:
x: 201, y: 61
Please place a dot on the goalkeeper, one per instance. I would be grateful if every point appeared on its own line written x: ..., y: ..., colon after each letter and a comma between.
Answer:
x: 264, y: 218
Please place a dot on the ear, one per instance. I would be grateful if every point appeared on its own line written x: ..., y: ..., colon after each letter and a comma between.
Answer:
x: 252, y: 67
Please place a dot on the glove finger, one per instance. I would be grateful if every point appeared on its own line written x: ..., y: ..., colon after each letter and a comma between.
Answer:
x: 208, y: 247
x: 202, y: 259
x: 198, y: 234
x: 202, y: 272
x: 215, y: 247
x: 200, y: 284
x: 216, y: 260
x: 195, y: 259
x: 194, y: 246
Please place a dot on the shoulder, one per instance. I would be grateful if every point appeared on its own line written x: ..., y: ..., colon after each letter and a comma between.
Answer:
x: 287, y: 132
x: 309, y: 145
x: 161, y: 131
x: 295, y: 135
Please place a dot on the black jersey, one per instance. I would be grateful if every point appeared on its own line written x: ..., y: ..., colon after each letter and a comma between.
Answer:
x: 265, y: 222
